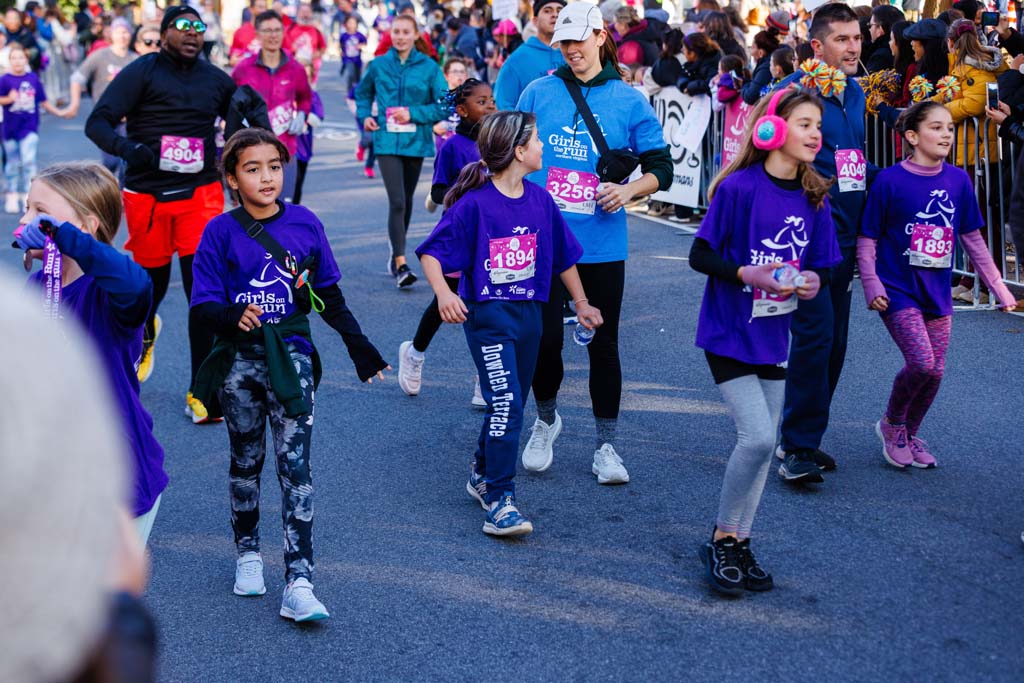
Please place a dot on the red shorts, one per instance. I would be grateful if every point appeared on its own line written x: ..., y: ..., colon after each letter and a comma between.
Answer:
x: 156, y: 230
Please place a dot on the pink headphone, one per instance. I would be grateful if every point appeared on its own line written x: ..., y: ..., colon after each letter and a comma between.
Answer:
x: 770, y: 130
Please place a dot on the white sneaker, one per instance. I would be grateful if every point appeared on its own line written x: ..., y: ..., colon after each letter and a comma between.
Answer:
x: 11, y: 203
x: 249, y: 575
x: 539, y: 452
x: 410, y: 370
x: 608, y: 466
x: 478, y: 397
x: 299, y: 603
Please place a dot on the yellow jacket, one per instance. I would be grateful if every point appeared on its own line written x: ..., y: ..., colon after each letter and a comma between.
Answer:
x: 973, y: 77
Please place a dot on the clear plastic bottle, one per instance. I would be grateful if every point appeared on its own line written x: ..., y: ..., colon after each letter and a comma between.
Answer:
x: 789, y: 276
x: 582, y: 336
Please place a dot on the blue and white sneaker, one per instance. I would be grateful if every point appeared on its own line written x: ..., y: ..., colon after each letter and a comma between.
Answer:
x: 477, y: 487
x: 299, y: 604
x: 504, y: 519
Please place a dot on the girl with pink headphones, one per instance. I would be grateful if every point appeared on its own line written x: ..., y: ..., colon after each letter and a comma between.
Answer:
x: 767, y: 241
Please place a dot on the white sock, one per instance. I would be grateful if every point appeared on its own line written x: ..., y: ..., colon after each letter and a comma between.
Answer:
x: 416, y: 355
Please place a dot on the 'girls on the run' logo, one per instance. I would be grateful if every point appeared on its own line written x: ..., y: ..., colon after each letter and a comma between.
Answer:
x: 574, y: 142
x: 792, y: 238
x: 939, y: 208
x: 268, y: 287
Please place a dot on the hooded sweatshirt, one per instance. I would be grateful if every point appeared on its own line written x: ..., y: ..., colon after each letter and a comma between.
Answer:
x: 626, y: 119
x: 531, y: 61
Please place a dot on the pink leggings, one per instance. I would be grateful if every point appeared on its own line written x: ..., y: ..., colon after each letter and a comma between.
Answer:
x: 923, y: 340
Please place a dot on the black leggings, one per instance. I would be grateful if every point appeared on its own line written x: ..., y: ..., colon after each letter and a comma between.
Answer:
x: 300, y: 180
x: 200, y: 339
x: 400, y: 175
x: 603, y: 284
x: 430, y: 321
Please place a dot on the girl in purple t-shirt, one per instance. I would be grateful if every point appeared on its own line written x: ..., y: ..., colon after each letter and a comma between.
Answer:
x: 21, y: 94
x: 914, y: 212
x: 257, y: 274
x: 74, y: 211
x: 507, y: 237
x: 471, y: 101
x: 766, y: 242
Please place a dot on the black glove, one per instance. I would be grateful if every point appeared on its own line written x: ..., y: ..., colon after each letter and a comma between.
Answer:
x: 139, y: 156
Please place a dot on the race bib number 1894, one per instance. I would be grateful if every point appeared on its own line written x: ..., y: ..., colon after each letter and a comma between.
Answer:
x: 513, y: 258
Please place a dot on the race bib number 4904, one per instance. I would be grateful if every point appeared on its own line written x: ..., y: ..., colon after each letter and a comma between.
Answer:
x: 181, y: 155
x: 513, y: 258
x: 573, y: 191
x: 931, y: 246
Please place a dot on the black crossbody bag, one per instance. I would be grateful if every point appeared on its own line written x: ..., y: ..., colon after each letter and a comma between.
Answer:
x: 614, y: 165
x: 302, y: 273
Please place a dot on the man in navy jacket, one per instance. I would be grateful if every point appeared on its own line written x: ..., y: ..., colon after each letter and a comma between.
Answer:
x: 819, y: 327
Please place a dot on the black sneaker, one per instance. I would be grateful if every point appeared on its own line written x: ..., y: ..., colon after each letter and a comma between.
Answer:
x: 824, y: 461
x: 800, y: 466
x: 721, y: 560
x: 754, y: 577
x: 404, y: 276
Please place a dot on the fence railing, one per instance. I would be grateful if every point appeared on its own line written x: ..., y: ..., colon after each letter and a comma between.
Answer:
x: 986, y: 158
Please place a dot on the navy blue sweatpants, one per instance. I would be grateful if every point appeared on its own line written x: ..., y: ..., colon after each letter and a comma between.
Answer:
x: 503, y: 338
x: 819, y: 327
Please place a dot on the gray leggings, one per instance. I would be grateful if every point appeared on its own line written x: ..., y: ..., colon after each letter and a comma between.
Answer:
x: 400, y: 175
x: 756, y: 405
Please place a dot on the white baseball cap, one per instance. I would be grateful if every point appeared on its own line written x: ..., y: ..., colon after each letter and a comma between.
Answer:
x: 577, y: 21
x: 811, y: 5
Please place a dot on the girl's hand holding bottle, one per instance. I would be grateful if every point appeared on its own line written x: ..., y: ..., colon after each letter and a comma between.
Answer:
x: 451, y: 307
x: 763, y: 277
x: 810, y: 287
x: 588, y: 316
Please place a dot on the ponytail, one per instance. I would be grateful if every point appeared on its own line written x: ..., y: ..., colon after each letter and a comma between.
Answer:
x: 500, y: 134
x: 610, y: 55
x: 471, y: 177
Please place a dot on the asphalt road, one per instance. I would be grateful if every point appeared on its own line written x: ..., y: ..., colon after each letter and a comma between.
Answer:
x: 879, y: 574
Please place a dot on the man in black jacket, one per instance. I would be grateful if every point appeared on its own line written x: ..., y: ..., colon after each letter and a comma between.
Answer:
x: 169, y: 101
x: 880, y: 25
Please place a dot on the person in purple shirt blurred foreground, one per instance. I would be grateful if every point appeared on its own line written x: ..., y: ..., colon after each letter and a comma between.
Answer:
x: 767, y: 241
x: 507, y: 237
x: 74, y: 211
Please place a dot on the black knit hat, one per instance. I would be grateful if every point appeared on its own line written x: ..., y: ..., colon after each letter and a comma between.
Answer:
x: 538, y: 5
x: 173, y: 13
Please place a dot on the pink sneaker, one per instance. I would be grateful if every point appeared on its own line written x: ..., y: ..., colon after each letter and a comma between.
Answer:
x: 922, y: 457
x: 360, y: 153
x: 368, y: 172
x: 894, y: 444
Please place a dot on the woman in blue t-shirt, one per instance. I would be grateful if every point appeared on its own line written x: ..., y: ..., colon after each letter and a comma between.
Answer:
x: 509, y: 241
x: 594, y: 211
x: 767, y: 241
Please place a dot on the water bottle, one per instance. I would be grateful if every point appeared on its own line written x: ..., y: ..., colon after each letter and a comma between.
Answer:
x: 582, y: 335
x: 789, y: 276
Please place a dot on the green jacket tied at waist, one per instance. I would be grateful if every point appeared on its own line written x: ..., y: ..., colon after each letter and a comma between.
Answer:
x: 283, y: 377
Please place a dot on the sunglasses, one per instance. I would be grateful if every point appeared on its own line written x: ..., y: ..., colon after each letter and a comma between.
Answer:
x: 186, y: 24
x: 150, y: 42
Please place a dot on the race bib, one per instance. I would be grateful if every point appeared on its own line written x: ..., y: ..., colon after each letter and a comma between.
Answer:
x: 931, y: 246
x: 851, y: 168
x: 767, y: 305
x: 181, y: 155
x: 396, y: 127
x: 573, y: 191
x: 513, y: 258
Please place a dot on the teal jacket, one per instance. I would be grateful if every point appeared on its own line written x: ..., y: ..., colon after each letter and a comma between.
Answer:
x: 417, y: 84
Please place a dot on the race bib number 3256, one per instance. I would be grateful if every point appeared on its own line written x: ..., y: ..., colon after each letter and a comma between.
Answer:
x: 573, y: 191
